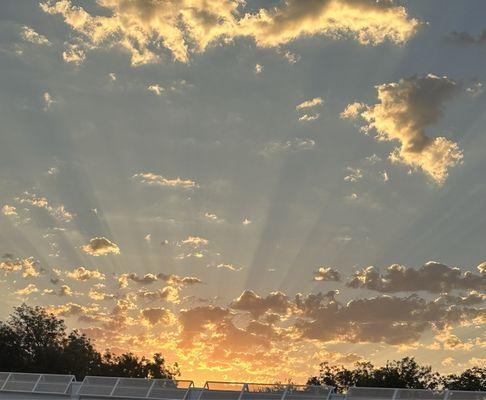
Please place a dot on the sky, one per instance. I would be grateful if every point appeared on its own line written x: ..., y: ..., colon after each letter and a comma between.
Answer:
x: 248, y: 187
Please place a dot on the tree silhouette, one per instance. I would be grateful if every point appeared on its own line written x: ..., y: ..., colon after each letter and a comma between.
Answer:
x: 471, y: 379
x: 32, y: 340
x: 405, y: 373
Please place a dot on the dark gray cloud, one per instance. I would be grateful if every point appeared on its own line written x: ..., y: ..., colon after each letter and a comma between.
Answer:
x: 432, y: 277
x: 466, y: 38
x: 382, y: 319
x: 276, y: 302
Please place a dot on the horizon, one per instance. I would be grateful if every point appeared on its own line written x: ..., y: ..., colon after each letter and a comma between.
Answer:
x: 249, y: 188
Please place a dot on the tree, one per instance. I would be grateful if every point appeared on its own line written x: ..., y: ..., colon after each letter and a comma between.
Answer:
x: 471, y: 379
x: 404, y: 373
x: 32, y: 340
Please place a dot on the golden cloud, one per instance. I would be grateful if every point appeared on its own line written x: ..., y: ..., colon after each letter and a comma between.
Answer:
x: 404, y: 110
x: 184, y: 27
x: 100, y: 246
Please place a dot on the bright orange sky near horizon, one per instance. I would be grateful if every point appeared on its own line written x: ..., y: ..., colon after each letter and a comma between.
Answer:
x: 248, y: 187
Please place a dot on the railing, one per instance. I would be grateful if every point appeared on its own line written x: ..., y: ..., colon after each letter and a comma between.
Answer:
x: 93, y: 387
x: 35, y: 383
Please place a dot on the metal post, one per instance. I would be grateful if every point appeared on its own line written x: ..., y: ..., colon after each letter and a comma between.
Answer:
x: 203, y: 389
x: 38, y: 380
x: 6, y: 380
x: 245, y: 385
x: 150, y: 388
x: 114, y: 387
x: 285, y: 392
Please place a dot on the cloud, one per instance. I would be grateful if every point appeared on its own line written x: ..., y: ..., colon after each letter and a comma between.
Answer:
x: 29, y: 289
x: 194, y: 320
x: 212, y: 217
x: 30, y: 35
x: 97, y: 295
x: 195, y: 241
x: 353, y: 174
x: 83, y: 274
x: 74, y: 54
x: 465, y: 38
x: 157, y: 89
x: 327, y: 274
x: 147, y: 279
x: 186, y: 27
x: 28, y: 266
x: 156, y: 315
x: 229, y: 267
x: 475, y: 90
x: 276, y: 302
x: 9, y: 210
x: 48, y: 100
x: 482, y: 268
x: 100, y: 246
x: 168, y: 293
x: 292, y: 58
x: 382, y: 319
x: 258, y: 69
x: 432, y: 277
x: 309, y: 117
x: 404, y: 110
x: 289, y: 146
x: 58, y: 212
x: 158, y: 180
x: 316, y: 101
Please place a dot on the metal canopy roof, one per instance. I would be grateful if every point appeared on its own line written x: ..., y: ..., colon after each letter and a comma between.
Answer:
x: 366, y: 393
x: 259, y: 391
x: 44, y: 386
x: 100, y: 386
x: 35, y: 383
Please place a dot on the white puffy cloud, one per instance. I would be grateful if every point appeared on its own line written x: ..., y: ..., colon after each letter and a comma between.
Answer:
x: 100, y: 246
x: 405, y: 109
x: 184, y: 27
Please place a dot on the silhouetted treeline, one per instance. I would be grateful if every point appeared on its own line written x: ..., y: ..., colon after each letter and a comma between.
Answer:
x: 405, y: 373
x: 32, y: 340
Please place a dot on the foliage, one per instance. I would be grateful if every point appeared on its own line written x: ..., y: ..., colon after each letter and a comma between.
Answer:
x: 471, y: 379
x: 32, y: 340
x: 404, y: 373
